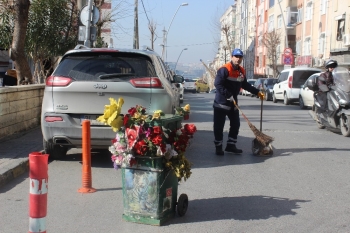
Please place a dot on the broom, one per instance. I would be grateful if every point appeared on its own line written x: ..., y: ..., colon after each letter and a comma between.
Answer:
x: 262, y: 138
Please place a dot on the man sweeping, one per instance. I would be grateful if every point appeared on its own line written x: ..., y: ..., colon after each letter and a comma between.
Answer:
x: 230, y: 78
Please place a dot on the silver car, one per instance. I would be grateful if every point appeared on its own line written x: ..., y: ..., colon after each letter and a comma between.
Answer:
x: 82, y: 84
x: 306, y: 96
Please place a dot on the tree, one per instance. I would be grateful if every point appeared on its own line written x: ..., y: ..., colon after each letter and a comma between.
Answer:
x: 49, y: 33
x: 120, y: 11
x: 19, y: 11
x: 271, y: 40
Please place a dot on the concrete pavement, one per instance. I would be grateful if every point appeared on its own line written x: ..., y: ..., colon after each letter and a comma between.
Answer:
x: 14, y: 153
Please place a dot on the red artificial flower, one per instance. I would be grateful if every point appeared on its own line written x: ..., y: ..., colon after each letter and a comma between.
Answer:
x: 132, y: 135
x: 126, y: 120
x: 157, y: 129
x: 114, y: 140
x: 157, y: 140
x: 190, y: 128
x: 140, y: 147
x: 132, y: 111
x: 132, y: 162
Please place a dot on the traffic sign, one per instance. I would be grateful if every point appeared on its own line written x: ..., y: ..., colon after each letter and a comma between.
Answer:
x: 84, y: 15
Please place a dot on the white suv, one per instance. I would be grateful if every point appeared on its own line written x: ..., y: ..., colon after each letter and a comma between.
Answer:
x: 82, y: 84
x: 289, y: 82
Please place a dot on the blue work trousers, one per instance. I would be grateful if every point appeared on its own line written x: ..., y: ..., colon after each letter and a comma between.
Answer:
x: 219, y: 123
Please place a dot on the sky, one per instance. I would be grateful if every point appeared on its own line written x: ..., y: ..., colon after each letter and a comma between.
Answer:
x: 192, y: 27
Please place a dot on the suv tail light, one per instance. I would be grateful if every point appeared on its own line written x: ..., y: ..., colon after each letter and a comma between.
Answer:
x: 290, y: 81
x: 57, y: 81
x: 146, y: 83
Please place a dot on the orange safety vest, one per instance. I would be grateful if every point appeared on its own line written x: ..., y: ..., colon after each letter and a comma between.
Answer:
x: 234, y: 75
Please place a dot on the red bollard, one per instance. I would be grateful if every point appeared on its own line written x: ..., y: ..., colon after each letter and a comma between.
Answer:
x: 86, y: 156
x: 38, y: 178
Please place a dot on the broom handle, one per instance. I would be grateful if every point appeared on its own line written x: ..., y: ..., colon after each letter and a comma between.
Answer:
x: 261, y: 111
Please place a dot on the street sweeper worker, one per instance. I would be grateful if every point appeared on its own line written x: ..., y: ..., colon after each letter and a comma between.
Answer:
x: 230, y: 78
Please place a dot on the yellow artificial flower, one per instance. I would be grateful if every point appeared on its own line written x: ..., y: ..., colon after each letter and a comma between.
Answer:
x: 136, y: 115
x: 111, y: 114
x: 157, y: 114
x: 187, y: 107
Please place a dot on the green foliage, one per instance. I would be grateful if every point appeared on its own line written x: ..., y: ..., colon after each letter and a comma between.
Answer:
x: 49, y: 21
x: 100, y: 43
x: 6, y: 29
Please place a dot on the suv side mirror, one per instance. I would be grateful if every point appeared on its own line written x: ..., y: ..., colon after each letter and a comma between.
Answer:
x: 178, y: 79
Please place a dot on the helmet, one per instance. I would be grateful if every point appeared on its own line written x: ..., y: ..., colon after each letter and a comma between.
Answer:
x: 237, y: 52
x: 331, y: 64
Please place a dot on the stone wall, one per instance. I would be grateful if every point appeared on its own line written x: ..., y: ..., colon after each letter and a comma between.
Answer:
x: 20, y: 108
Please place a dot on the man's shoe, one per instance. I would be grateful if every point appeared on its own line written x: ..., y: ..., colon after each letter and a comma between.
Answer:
x: 233, y: 149
x: 219, y: 150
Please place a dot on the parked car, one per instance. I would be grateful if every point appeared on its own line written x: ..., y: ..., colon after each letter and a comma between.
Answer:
x: 288, y: 84
x: 306, y: 97
x: 244, y: 92
x: 82, y: 84
x: 202, y: 86
x: 213, y: 90
x: 259, y: 85
x: 189, y: 85
x: 268, y: 86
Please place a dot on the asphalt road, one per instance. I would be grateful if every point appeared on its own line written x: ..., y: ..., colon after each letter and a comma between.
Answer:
x: 303, y: 187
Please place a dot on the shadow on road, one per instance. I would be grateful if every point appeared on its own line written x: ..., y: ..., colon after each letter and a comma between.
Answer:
x: 238, y: 208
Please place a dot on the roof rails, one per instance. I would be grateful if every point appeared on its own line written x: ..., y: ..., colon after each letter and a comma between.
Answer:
x: 80, y: 46
x: 145, y: 47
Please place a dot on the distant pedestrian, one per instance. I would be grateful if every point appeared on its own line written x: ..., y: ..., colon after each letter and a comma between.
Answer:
x: 230, y: 78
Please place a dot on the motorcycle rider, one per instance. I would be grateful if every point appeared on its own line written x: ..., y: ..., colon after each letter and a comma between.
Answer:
x: 325, y: 81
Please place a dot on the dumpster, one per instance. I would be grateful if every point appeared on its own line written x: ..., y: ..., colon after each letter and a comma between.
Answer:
x: 150, y: 192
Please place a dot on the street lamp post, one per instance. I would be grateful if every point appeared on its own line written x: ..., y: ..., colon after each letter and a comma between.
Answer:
x: 165, y: 36
x: 178, y: 59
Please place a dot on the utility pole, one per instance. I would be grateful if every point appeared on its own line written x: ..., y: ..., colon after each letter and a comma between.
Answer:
x: 87, y: 32
x: 136, y: 26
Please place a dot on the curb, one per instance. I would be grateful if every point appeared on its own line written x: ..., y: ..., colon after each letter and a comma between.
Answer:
x: 14, y: 172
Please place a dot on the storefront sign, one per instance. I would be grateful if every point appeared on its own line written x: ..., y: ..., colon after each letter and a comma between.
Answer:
x: 304, y: 60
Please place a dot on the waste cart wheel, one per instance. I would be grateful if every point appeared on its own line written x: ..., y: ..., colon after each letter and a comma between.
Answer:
x: 182, y: 205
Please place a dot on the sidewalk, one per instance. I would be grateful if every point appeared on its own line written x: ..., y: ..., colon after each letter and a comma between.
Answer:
x: 14, y: 153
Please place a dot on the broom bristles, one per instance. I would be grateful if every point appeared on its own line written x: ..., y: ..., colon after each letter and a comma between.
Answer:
x: 260, y: 136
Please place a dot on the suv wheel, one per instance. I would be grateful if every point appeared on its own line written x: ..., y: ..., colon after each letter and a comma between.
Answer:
x: 285, y: 99
x: 54, y: 151
x: 301, y: 103
x: 274, y: 98
x: 198, y: 90
x: 208, y: 90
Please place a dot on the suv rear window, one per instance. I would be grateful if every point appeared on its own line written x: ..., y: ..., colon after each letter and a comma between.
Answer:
x: 90, y: 66
x: 300, y: 76
x: 271, y: 81
x: 189, y: 80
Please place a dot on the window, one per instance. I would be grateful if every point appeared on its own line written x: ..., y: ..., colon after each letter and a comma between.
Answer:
x: 278, y: 52
x: 300, y: 15
x: 261, y: 17
x: 271, y: 23
x: 307, y: 46
x: 260, y: 59
x: 321, y: 44
x: 308, y: 13
x: 323, y: 6
x: 271, y: 3
x: 298, y: 47
x: 279, y: 21
x: 340, y: 29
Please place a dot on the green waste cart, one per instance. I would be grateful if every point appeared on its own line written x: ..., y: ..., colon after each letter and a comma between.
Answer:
x: 150, y: 192
x: 150, y: 189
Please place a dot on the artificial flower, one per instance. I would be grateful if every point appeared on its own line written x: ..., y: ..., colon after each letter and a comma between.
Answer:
x: 111, y: 114
x: 157, y: 114
x: 186, y: 108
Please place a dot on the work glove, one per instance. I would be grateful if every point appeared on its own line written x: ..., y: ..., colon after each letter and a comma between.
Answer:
x: 261, y: 95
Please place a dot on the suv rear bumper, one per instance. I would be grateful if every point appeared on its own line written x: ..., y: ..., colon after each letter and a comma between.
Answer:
x: 69, y: 132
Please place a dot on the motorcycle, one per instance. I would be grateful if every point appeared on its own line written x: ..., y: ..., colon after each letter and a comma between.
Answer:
x: 334, y: 114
